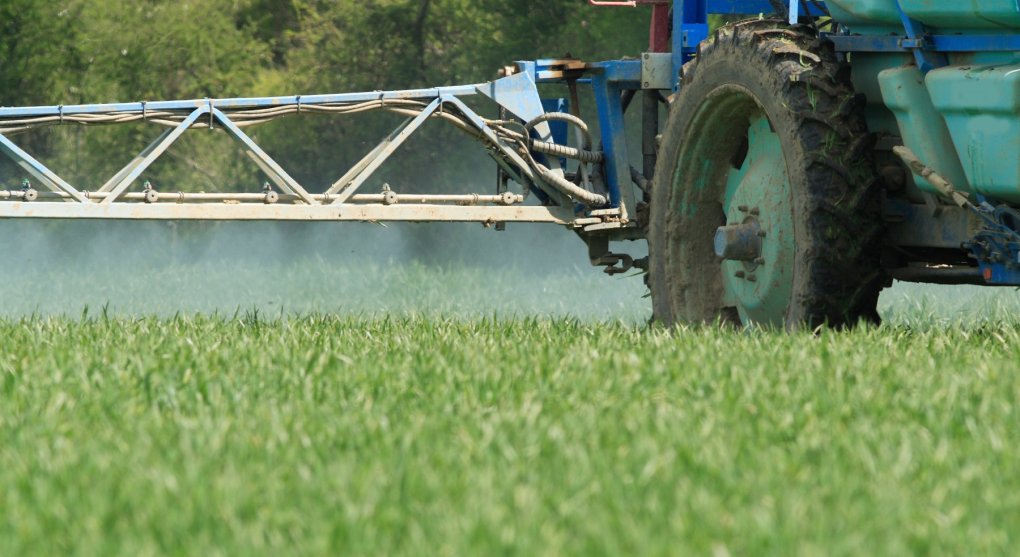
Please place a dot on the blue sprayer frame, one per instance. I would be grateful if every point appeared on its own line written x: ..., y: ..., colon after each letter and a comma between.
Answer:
x: 691, y: 26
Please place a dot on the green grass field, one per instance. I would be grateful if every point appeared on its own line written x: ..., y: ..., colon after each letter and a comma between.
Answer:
x: 386, y: 409
x: 329, y: 435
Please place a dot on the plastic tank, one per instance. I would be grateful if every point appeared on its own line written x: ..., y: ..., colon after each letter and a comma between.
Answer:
x: 864, y: 16
x: 981, y: 107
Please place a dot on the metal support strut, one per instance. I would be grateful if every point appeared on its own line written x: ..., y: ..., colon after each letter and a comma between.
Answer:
x: 519, y: 142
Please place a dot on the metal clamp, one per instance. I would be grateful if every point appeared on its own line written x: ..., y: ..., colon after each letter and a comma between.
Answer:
x: 610, y: 262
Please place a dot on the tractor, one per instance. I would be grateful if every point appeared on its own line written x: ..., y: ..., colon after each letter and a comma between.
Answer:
x: 796, y: 156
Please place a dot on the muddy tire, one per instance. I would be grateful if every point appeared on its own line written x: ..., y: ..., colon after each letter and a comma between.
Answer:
x: 766, y: 132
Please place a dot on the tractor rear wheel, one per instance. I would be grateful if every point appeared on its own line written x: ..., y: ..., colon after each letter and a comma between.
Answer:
x: 764, y: 206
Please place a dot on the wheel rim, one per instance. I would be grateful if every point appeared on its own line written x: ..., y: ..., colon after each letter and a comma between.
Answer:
x: 758, y: 192
x: 734, y: 161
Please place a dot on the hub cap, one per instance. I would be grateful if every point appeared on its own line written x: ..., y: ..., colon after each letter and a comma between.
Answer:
x: 758, y: 276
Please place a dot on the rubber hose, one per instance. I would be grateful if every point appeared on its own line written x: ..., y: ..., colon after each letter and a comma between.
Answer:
x: 563, y: 117
x: 566, y: 152
x: 571, y: 189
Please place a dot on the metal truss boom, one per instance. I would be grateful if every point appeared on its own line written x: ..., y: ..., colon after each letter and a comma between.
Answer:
x: 506, y: 140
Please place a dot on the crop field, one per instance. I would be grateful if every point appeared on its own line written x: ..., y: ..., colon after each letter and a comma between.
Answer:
x: 323, y: 407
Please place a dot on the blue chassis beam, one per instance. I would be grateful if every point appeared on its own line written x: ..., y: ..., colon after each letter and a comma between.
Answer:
x: 934, y: 43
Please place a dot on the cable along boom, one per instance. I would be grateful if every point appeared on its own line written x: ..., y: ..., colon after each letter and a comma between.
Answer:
x: 518, y: 142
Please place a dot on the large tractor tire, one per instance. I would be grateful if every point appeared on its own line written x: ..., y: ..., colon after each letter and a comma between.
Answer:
x: 764, y: 207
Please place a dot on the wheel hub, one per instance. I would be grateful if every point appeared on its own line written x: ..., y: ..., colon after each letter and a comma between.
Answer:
x: 739, y: 242
x: 756, y: 244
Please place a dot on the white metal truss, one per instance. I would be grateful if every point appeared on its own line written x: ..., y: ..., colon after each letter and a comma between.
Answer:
x: 120, y: 198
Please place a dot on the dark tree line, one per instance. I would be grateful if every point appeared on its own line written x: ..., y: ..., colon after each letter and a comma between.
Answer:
x: 86, y: 51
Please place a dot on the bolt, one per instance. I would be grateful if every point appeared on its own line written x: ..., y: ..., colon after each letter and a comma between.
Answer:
x: 761, y: 233
x: 739, y: 274
x: 760, y: 260
x: 647, y: 85
x: 752, y: 278
x: 738, y: 242
x: 755, y: 211
x: 893, y: 176
x: 742, y: 208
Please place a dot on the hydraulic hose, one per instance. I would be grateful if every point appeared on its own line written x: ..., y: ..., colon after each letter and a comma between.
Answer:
x: 585, y: 155
x: 569, y: 188
x: 563, y: 117
x: 558, y: 150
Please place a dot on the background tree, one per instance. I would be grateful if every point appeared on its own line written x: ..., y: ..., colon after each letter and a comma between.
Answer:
x: 75, y: 51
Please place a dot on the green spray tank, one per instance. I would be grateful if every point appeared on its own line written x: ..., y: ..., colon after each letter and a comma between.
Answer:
x: 962, y: 117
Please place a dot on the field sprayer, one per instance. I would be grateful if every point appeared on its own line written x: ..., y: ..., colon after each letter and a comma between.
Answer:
x: 812, y: 152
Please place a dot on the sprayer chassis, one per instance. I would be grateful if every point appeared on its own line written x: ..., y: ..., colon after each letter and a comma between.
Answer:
x: 601, y: 200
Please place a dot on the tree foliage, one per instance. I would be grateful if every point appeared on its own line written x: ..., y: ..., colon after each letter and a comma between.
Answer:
x: 87, y: 51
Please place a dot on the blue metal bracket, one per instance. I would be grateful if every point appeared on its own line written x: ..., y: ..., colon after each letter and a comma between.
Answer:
x: 690, y: 27
x: 560, y: 132
x: 625, y: 73
x: 917, y: 40
x: 518, y: 94
x: 755, y: 7
x: 996, y: 247
x: 614, y: 139
x: 931, y: 43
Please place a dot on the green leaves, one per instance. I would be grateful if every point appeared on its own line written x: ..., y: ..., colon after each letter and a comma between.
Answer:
x: 399, y: 435
x: 77, y: 51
